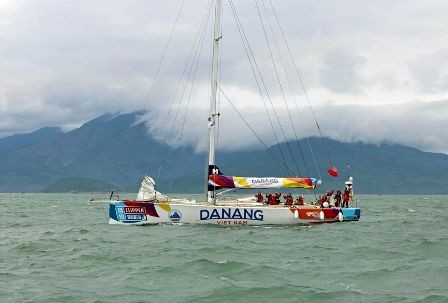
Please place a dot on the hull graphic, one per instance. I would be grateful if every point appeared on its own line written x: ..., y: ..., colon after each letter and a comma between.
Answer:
x: 134, y: 212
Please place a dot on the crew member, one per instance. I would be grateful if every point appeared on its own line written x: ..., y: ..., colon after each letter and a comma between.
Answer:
x: 277, y: 198
x: 269, y: 197
x: 338, y: 198
x: 289, y: 200
x: 259, y: 197
x: 300, y: 200
x: 346, y: 196
x: 323, y: 199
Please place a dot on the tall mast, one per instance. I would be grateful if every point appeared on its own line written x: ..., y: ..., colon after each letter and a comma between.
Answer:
x: 217, y: 35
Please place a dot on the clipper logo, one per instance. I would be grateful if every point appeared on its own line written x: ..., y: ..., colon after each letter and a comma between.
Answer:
x: 175, y: 215
x: 136, y: 214
x: 231, y: 214
x: 134, y: 210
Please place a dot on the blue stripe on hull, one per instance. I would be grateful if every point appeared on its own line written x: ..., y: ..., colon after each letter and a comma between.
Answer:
x: 351, y: 214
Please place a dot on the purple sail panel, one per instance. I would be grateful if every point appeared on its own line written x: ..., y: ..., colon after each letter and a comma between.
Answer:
x: 221, y: 181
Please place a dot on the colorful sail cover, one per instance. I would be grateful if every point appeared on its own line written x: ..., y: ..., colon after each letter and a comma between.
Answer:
x: 256, y: 182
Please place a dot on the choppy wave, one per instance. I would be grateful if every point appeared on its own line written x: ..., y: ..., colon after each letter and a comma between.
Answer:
x: 69, y: 253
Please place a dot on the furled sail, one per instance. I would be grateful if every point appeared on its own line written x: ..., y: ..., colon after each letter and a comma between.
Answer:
x: 265, y: 182
x: 147, y: 191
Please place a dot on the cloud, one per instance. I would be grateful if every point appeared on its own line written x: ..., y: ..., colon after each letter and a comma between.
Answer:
x: 429, y: 71
x: 416, y: 124
x: 67, y: 62
x: 341, y: 72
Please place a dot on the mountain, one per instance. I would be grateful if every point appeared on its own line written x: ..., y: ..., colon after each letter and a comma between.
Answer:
x: 383, y: 169
x: 15, y: 142
x: 112, y: 148
x: 79, y: 185
x: 116, y: 149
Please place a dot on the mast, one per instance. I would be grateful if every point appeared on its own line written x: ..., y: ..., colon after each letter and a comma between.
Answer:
x: 217, y: 35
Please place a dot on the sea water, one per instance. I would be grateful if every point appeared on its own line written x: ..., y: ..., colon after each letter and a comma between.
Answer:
x: 57, y: 248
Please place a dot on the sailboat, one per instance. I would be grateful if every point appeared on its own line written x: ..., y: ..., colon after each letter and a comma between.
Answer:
x: 153, y: 207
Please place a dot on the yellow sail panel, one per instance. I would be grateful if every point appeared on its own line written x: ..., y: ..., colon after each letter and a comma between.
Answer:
x: 241, y: 182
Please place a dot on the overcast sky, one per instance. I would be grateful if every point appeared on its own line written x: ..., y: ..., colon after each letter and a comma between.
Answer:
x: 374, y: 71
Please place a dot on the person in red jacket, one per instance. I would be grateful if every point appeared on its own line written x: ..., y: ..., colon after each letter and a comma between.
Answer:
x: 277, y: 198
x: 346, y: 196
x: 300, y: 200
x: 269, y: 197
x: 289, y: 200
x: 259, y: 197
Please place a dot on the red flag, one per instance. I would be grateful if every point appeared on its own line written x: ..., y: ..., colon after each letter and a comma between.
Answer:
x: 333, y: 171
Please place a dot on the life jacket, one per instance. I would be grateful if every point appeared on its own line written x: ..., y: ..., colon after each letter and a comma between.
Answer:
x: 289, y: 200
x: 346, y: 195
x: 277, y: 198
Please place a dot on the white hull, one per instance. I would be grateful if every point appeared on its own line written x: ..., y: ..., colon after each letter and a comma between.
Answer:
x: 134, y: 212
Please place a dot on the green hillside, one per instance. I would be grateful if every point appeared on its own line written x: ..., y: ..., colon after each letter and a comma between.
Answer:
x: 119, y: 151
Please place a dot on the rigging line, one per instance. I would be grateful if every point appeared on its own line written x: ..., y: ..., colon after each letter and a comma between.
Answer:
x: 148, y: 95
x: 204, y: 20
x: 307, y: 139
x: 254, y: 65
x: 187, y: 107
x: 195, y: 64
x: 268, y: 96
x: 282, y: 63
x: 253, y: 131
x: 245, y: 42
x: 189, y: 63
x: 193, y: 81
x: 281, y: 87
x: 184, y: 89
x: 299, y: 78
x: 183, y: 124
